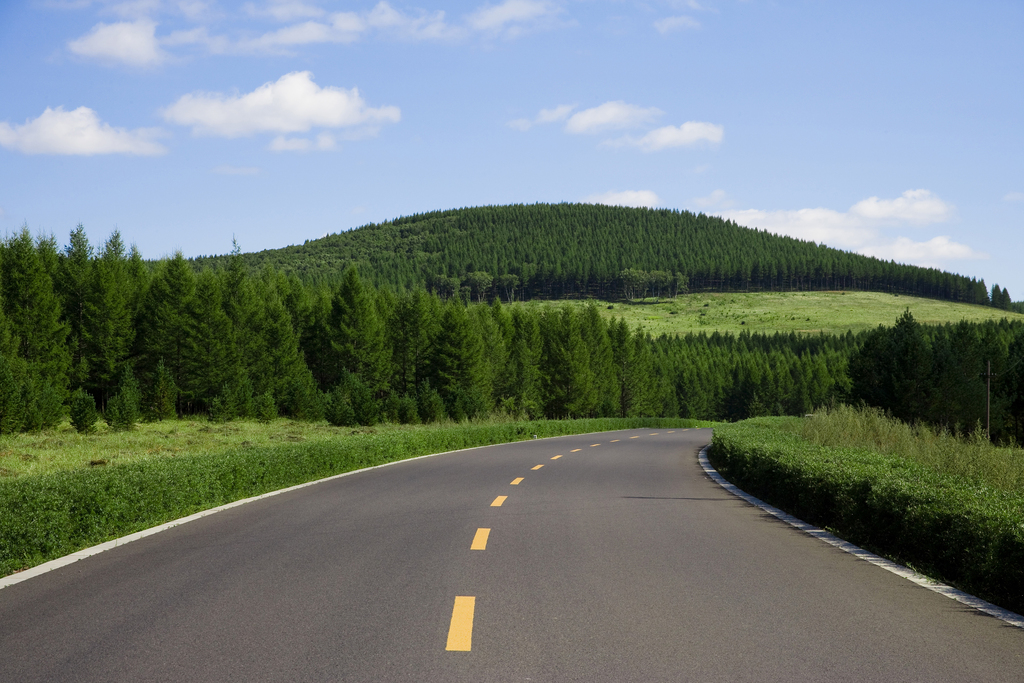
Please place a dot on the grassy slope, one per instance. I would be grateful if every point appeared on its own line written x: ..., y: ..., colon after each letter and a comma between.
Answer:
x: 800, y: 312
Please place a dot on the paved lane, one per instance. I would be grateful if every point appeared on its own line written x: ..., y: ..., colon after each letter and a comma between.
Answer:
x: 618, y: 561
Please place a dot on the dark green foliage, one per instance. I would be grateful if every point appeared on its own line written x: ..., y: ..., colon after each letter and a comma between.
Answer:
x: 163, y: 394
x: 265, y: 407
x: 969, y: 535
x: 429, y: 404
x: 33, y: 307
x: 43, y: 404
x: 48, y: 516
x: 579, y: 250
x: 125, y: 409
x: 12, y: 405
x: 165, y: 323
x: 83, y: 411
x: 339, y: 410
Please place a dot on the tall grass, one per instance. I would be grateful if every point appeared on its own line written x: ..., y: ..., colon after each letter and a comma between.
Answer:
x: 973, y: 458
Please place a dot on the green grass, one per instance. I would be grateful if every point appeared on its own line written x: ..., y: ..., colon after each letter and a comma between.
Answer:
x: 953, y: 527
x: 800, y: 312
x: 169, y: 470
x: 975, y: 459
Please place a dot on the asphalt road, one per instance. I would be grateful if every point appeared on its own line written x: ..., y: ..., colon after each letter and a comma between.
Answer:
x: 618, y: 561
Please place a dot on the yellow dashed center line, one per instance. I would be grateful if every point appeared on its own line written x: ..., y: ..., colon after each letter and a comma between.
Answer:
x: 594, y: 444
x: 498, y: 501
x: 556, y: 457
x: 613, y: 441
x: 634, y: 437
x: 672, y: 432
x: 480, y: 540
x: 575, y: 449
x: 537, y: 467
x: 516, y: 481
x: 460, y: 633
x: 654, y: 434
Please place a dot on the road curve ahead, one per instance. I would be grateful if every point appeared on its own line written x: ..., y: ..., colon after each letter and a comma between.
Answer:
x: 604, y: 557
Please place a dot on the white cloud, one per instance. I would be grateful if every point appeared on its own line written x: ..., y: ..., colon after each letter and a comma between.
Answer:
x: 634, y: 198
x: 323, y: 143
x: 292, y: 104
x: 688, y: 134
x: 670, y: 24
x: 513, y: 17
x: 226, y: 169
x: 610, y: 115
x: 78, y: 132
x: 348, y: 27
x: 914, y: 206
x: 552, y: 115
x: 860, y: 228
x: 130, y: 42
x: 285, y: 10
x: 716, y: 198
x: 1013, y: 197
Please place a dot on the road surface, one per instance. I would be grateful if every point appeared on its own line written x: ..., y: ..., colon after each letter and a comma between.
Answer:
x: 604, y: 557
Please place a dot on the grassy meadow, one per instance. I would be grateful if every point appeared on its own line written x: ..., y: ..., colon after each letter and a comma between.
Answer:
x: 800, y: 312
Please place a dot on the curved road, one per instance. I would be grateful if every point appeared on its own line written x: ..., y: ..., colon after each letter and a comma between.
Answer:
x: 617, y: 561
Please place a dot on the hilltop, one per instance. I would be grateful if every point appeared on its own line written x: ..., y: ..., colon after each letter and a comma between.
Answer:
x: 586, y: 250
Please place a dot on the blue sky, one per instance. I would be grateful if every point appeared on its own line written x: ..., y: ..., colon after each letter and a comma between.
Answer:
x: 891, y: 129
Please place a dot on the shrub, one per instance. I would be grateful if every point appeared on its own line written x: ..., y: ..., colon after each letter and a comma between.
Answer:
x: 83, y: 411
x: 124, y: 410
x: 265, y: 407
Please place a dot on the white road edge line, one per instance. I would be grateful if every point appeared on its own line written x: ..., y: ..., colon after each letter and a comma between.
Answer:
x: 1006, y: 615
x: 110, y: 545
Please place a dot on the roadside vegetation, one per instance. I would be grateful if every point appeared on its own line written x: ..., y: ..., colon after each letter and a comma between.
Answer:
x: 952, y: 509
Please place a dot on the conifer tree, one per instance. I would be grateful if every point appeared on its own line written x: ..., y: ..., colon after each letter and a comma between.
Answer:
x: 211, y: 358
x: 164, y: 325
x: 33, y: 309
x: 12, y: 406
x: 83, y: 411
x: 163, y: 394
x: 74, y: 280
x: 125, y: 408
x: 109, y: 316
x: 358, y: 333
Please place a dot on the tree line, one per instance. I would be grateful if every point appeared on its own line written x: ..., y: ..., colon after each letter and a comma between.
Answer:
x: 585, y: 250
x: 98, y: 330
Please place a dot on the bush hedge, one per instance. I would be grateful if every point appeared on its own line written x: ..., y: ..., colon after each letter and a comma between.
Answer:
x: 48, y: 516
x: 956, y: 530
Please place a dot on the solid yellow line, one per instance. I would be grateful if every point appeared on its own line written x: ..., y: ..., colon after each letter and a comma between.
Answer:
x: 613, y: 441
x: 537, y: 467
x: 498, y: 501
x: 480, y: 540
x: 460, y: 633
x: 575, y: 449
x: 516, y: 481
x: 556, y: 457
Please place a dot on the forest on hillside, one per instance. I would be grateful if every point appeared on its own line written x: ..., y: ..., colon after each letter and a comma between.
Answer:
x: 85, y: 328
x: 587, y: 250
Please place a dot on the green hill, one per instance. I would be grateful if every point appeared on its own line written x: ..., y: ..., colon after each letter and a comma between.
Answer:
x: 572, y: 250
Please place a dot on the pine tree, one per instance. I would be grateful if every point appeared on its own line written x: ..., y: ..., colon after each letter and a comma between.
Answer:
x: 83, y: 412
x: 358, y: 333
x: 74, y: 280
x: 34, y: 310
x: 163, y: 394
x: 211, y: 358
x: 165, y: 321
x: 125, y: 408
x: 109, y: 313
x: 12, y: 407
